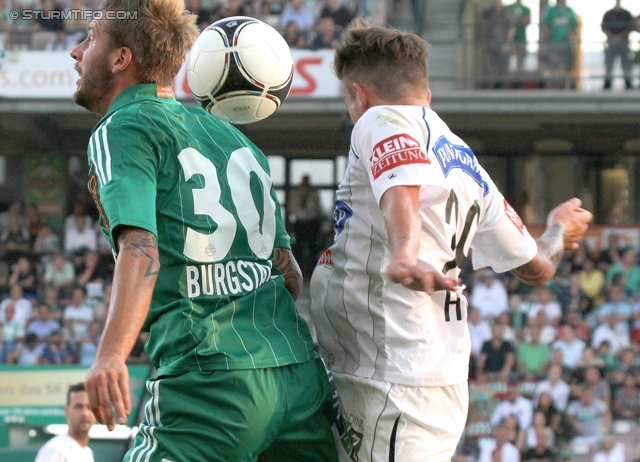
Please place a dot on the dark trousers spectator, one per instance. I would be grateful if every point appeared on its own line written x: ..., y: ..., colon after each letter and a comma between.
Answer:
x: 614, y: 49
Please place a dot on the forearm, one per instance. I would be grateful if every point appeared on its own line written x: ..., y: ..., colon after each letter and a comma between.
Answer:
x: 400, y: 206
x: 285, y: 262
x: 543, y: 266
x: 134, y: 278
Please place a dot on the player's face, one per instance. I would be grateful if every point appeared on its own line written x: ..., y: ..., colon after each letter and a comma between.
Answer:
x: 79, y: 415
x: 92, y: 66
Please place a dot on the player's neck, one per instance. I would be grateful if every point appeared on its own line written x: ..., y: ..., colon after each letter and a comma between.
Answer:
x: 83, y: 440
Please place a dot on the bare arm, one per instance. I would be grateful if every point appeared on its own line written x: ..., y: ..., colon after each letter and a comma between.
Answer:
x: 285, y: 261
x: 400, y: 207
x: 134, y: 278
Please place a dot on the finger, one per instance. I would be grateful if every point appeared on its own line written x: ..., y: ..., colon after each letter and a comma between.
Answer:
x: 94, y: 401
x: 116, y: 400
x: 105, y: 402
x: 124, y: 386
x: 428, y: 282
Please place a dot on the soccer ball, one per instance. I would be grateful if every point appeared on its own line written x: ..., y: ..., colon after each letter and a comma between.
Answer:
x: 240, y: 69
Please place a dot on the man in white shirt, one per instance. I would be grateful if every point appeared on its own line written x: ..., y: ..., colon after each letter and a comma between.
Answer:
x: 73, y: 445
x: 556, y: 387
x: 548, y: 305
x: 479, y: 331
x: 571, y: 347
x: 77, y: 316
x: 617, y: 336
x: 80, y: 237
x: 23, y: 307
x: 508, y: 452
x: 489, y: 295
x: 515, y: 405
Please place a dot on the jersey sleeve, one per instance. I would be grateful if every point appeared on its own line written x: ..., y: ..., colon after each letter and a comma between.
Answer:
x: 393, y: 149
x: 123, y: 173
x: 502, y: 240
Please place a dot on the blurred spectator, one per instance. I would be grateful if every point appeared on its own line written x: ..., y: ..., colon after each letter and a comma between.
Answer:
x: 546, y: 304
x: 137, y: 355
x: 565, y: 456
x: 581, y: 328
x: 630, y: 269
x: 590, y: 359
x: 76, y: 25
x: 570, y: 346
x: 60, y: 274
x: 626, y: 401
x: 539, y: 424
x: 604, y: 353
x: 628, y: 365
x: 43, y: 326
x: 92, y: 272
x: 489, y: 295
x: 497, y: 357
x: 79, y: 210
x: 52, y: 300
x: 589, y: 418
x: 522, y: 14
x: 532, y: 357
x: 4, y: 278
x: 508, y: 332
x: 24, y: 274
x: 101, y: 308
x: 515, y: 433
x: 293, y: 36
x: 89, y: 344
x: 616, y: 305
x: 327, y: 36
x: 508, y: 452
x: 80, y: 236
x: 46, y: 242
x: 617, y: 24
x: 548, y: 333
x: 22, y: 306
x: 515, y: 405
x: 610, y: 451
x: 552, y: 415
x: 612, y: 332
x: 57, y: 351
x: 500, y: 29
x: 27, y: 352
x: 61, y: 41
x: 14, y: 210
x: 49, y: 21
x: 599, y: 387
x: 202, y: 14
x: 592, y: 281
x: 557, y: 388
x: 340, y: 14
x: 611, y: 254
x: 479, y: 331
x: 33, y: 220
x: 13, y: 330
x: 558, y: 28
x: 305, y: 213
x: 15, y: 237
x: 77, y: 315
x: 229, y: 8
x: 299, y: 13
x: 540, y: 452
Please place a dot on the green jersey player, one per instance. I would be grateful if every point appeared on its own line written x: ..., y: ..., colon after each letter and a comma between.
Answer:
x: 202, y: 261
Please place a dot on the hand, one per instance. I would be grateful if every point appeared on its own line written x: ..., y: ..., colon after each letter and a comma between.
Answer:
x: 573, y: 218
x: 108, y: 388
x: 416, y: 278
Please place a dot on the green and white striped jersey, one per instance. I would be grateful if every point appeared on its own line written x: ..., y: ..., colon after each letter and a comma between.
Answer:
x: 204, y: 190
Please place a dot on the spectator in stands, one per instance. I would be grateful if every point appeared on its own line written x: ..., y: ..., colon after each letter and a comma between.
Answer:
x: 610, y: 451
x: 611, y: 254
x: 13, y: 330
x: 539, y: 424
x: 92, y: 271
x: 202, y: 14
x: 43, y: 326
x: 4, y: 278
x: 294, y: 37
x: 515, y: 405
x: 546, y: 304
x: 33, y: 220
x: 571, y: 347
x: 541, y: 451
x: 626, y: 401
x: 61, y: 41
x: 27, y: 352
x: 589, y: 418
x: 592, y: 281
x: 499, y: 31
x: 628, y: 266
x: 79, y: 210
x: 327, y: 36
x: 299, y: 13
x: 22, y: 306
x: 628, y: 365
x: 101, y: 308
x: 552, y: 415
x: 522, y: 14
x: 507, y: 451
x: 548, y: 333
x: 489, y: 295
x: 14, y: 210
x: 80, y: 237
x: 76, y: 25
x: 57, y: 351
x: 231, y: 8
x: 612, y: 332
x: 557, y: 388
x: 77, y: 315
x: 533, y: 357
x: 509, y: 334
x: 60, y: 275
x: 497, y: 357
x: 52, y: 300
x: 479, y: 331
x: 340, y: 14
x: 599, y: 387
x: 558, y: 33
x: 15, y: 238
x: 137, y: 355
x: 581, y: 328
x: 604, y: 353
x: 515, y: 433
x: 617, y: 24
x: 88, y: 345
x: 590, y: 359
x: 24, y: 274
x: 46, y: 242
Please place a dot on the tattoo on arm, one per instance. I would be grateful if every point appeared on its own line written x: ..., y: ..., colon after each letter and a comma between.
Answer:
x: 285, y: 262
x: 550, y: 251
x: 141, y: 244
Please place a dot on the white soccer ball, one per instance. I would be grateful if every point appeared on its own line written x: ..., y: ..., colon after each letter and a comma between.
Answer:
x: 240, y: 69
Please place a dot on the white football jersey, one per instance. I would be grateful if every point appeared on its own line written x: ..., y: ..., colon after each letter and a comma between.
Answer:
x: 371, y: 327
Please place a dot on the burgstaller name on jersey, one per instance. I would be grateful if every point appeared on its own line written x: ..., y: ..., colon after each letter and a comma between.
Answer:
x: 230, y: 278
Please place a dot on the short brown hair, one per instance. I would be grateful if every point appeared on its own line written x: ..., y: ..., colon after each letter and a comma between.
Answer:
x: 75, y: 388
x: 159, y: 38
x: 391, y: 62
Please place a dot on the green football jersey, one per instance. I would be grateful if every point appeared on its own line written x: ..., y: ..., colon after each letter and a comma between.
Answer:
x: 204, y: 190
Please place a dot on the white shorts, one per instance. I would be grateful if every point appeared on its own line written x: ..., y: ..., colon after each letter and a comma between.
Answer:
x: 384, y: 422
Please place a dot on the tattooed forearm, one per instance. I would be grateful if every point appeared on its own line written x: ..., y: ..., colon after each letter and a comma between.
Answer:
x: 141, y: 244
x: 543, y: 266
x: 285, y: 262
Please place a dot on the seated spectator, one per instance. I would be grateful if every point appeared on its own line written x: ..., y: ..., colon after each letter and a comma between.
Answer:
x: 92, y: 271
x: 557, y: 388
x: 33, y: 220
x: 599, y: 386
x: 60, y: 274
x: 77, y: 316
x: 548, y: 332
x: 617, y: 305
x: 533, y: 357
x: 590, y: 359
x: 294, y: 37
x: 570, y: 346
x: 52, y: 300
x: 515, y: 433
x: 626, y: 401
x: 27, y: 352
x: 14, y: 210
x: 548, y: 305
x: 611, y: 254
x: 22, y: 306
x: 489, y: 295
x: 46, y: 242
x: 15, y: 238
x: 507, y: 451
x: 88, y: 345
x: 613, y: 332
x: 592, y: 281
x: 515, y: 405
x: 327, y: 36
x: 610, y: 451
x: 43, y: 326
x: 479, y: 331
x: 552, y: 415
x: 628, y: 267
x: 57, y: 351
x: 628, y: 364
x: 541, y: 451
x: 25, y: 275
x: 296, y: 11
x: 137, y: 355
x: 539, y: 424
x: 80, y: 237
x: 4, y: 278
x: 589, y: 418
x: 581, y: 328
x: 610, y: 361
x: 497, y: 357
x: 340, y: 14
x: 79, y: 210
x: 508, y: 332
x: 13, y: 330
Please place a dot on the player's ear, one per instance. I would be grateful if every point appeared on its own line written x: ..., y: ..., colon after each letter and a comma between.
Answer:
x: 362, y: 96
x: 121, y: 59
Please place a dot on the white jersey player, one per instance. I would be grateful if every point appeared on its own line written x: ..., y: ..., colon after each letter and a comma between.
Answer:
x: 413, y: 200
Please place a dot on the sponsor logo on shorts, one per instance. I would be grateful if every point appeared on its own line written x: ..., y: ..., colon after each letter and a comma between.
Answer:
x: 350, y: 430
x: 395, y: 151
x: 451, y: 156
x: 513, y: 216
x: 341, y: 214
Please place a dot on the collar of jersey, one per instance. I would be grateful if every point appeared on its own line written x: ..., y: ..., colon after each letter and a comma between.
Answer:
x: 135, y: 94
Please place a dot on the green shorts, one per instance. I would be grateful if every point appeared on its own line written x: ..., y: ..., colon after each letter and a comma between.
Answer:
x: 275, y: 414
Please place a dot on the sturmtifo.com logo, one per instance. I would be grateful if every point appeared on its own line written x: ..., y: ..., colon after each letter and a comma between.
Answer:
x: 72, y: 15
